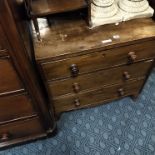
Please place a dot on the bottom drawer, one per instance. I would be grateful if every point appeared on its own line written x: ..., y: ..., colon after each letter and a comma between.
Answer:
x: 93, y: 97
x: 12, y: 132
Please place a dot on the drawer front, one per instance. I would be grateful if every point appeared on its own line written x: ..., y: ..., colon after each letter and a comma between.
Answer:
x: 20, y: 129
x: 14, y: 107
x: 96, y: 96
x: 100, y: 78
x: 98, y: 60
x: 9, y: 80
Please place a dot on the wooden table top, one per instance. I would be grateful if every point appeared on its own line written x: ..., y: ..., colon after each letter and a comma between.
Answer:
x: 72, y: 36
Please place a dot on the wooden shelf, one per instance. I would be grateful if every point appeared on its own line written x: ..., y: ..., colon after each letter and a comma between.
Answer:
x: 47, y: 7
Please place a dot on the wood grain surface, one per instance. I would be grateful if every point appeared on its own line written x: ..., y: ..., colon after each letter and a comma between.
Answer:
x: 71, y: 36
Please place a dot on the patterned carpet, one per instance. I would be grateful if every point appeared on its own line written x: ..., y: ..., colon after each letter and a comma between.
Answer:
x: 123, y: 127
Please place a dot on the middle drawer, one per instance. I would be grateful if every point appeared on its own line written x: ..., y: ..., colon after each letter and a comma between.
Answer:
x: 9, y: 79
x: 14, y: 107
x: 103, y: 77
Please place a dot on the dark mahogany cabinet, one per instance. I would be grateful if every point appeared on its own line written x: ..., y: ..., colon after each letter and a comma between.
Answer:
x: 24, y: 112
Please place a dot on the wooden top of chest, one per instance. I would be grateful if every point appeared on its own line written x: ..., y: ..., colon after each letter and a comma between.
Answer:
x: 72, y: 37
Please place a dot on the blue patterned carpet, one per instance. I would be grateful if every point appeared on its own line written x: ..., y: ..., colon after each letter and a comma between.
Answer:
x: 123, y: 127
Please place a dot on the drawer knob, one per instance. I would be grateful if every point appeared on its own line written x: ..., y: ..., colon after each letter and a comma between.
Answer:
x: 4, y: 137
x: 77, y: 102
x: 74, y: 70
x: 76, y: 87
x: 121, y: 92
x: 132, y: 56
x: 126, y: 75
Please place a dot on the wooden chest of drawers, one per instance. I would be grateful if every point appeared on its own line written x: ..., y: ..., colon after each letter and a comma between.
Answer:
x: 84, y: 67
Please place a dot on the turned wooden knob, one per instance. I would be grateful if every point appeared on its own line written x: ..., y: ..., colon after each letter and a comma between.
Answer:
x: 132, y: 56
x: 4, y: 137
x: 121, y: 92
x: 126, y: 75
x: 76, y: 87
x: 74, y: 70
x: 77, y: 102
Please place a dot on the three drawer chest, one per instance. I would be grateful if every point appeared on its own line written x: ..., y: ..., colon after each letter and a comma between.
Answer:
x: 83, y: 67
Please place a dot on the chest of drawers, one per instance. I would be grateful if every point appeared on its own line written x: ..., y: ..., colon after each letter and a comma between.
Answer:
x: 84, y: 67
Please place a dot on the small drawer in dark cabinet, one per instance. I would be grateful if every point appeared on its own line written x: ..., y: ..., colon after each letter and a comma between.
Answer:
x: 14, y: 107
x: 9, y: 80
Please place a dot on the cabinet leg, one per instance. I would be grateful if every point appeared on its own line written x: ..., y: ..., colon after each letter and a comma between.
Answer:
x: 57, y: 116
x: 36, y: 26
x: 53, y: 132
x: 134, y: 97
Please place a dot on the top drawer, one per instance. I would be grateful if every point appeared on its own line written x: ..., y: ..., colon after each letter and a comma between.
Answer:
x: 74, y: 66
x: 3, y: 42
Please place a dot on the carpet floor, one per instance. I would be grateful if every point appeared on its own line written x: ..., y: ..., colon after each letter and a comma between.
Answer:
x: 122, y: 127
